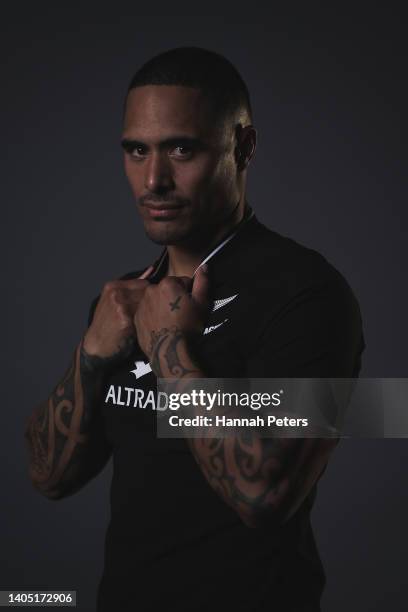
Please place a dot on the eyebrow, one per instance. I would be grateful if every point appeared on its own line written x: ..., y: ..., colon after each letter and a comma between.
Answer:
x: 129, y: 143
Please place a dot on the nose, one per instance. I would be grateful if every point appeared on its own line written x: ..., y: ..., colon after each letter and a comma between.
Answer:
x: 158, y: 176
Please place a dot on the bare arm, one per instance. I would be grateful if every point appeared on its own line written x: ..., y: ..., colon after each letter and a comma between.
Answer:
x: 64, y: 434
x: 264, y: 480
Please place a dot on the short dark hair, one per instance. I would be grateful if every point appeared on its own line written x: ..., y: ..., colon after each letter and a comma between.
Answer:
x: 199, y: 68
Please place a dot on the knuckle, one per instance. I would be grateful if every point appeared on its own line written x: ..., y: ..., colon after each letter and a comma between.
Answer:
x: 122, y: 318
x: 115, y: 296
x: 141, y: 285
x: 135, y: 284
x: 167, y: 282
x: 109, y: 287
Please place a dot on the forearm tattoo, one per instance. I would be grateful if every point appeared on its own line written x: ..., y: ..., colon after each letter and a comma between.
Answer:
x: 251, y: 474
x: 168, y: 359
x: 58, y: 431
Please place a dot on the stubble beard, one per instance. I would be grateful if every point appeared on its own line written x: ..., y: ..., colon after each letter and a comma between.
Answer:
x: 167, y: 234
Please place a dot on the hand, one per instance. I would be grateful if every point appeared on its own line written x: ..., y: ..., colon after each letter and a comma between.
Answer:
x: 112, y: 332
x: 169, y: 308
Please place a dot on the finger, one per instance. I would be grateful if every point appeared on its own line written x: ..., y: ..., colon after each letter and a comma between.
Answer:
x: 147, y: 272
x: 132, y: 284
x: 201, y: 285
x: 182, y: 281
x: 185, y: 281
x: 130, y: 295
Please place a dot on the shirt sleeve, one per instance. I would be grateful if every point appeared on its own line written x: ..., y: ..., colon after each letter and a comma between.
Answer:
x: 317, y: 334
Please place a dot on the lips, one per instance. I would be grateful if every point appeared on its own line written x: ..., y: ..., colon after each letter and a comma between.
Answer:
x: 163, y: 206
x: 163, y: 211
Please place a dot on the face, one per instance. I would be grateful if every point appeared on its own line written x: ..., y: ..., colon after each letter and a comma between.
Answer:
x: 180, y: 163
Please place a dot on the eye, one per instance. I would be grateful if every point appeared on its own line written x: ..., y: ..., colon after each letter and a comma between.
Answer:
x: 137, y: 152
x: 182, y: 151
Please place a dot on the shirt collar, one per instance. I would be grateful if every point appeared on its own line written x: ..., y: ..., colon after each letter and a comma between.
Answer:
x: 224, y: 247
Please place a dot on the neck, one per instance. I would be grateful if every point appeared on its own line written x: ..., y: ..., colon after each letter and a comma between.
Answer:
x: 184, y: 259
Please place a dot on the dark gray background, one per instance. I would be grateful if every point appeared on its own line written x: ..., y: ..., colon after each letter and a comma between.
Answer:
x: 327, y: 95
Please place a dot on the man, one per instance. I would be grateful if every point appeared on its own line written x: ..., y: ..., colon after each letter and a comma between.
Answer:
x: 196, y: 525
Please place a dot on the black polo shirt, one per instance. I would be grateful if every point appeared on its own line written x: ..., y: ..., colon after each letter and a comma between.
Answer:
x: 278, y: 310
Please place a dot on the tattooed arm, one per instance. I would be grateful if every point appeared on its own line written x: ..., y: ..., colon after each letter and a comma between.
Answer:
x: 264, y: 480
x: 267, y: 479
x: 261, y: 479
x: 64, y: 435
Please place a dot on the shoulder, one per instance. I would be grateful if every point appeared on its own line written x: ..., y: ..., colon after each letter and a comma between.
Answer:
x: 297, y: 293
x: 282, y: 262
x: 276, y: 271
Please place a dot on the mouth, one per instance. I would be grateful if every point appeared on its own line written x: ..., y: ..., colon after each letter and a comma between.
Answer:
x: 163, y: 210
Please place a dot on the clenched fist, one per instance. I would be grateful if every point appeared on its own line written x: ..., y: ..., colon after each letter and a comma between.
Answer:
x: 176, y: 306
x: 112, y: 332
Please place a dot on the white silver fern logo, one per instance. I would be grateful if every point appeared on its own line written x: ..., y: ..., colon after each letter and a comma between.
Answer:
x: 211, y: 328
x: 141, y: 368
x: 220, y: 303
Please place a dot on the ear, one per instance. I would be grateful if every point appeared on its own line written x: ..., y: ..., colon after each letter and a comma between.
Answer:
x: 246, y: 144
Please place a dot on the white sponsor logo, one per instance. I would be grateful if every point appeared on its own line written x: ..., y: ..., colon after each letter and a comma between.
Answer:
x: 141, y: 368
x: 211, y: 328
x: 136, y: 398
x: 220, y: 303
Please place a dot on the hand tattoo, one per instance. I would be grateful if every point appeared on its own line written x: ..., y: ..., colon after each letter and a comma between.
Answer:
x: 176, y: 304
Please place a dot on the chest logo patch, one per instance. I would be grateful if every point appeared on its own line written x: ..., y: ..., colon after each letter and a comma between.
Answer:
x: 211, y: 328
x: 141, y: 368
x: 220, y: 303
